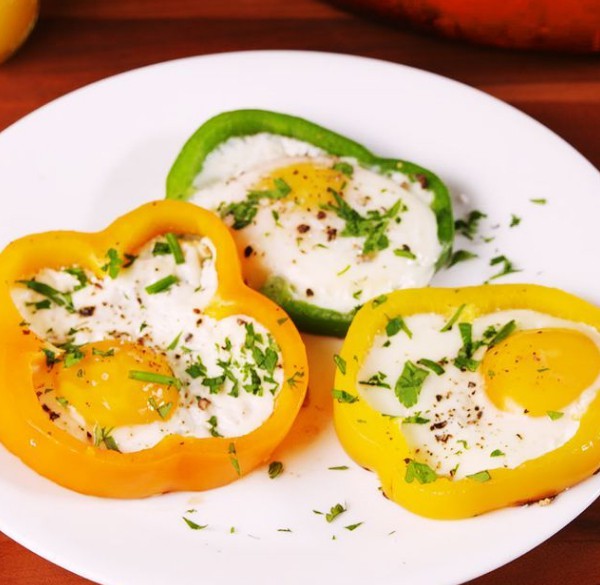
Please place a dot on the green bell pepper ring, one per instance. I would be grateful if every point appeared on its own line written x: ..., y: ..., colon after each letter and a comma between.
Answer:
x: 239, y: 123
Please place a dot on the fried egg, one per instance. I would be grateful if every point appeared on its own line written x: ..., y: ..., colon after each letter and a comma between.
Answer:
x: 132, y: 359
x: 335, y: 231
x: 497, y: 391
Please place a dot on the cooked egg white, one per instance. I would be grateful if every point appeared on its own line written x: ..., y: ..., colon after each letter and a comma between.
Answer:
x: 278, y: 195
x: 219, y: 389
x: 524, y: 399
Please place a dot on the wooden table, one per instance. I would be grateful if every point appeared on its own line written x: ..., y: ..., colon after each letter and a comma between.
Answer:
x: 77, y: 42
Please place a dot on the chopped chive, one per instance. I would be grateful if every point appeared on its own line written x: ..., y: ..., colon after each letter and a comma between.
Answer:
x: 339, y: 468
x: 453, y: 319
x: 108, y: 353
x: 504, y: 332
x: 154, y: 378
x: 162, y: 285
x: 539, y: 201
x: 352, y: 527
x: 162, y: 410
x: 175, y: 247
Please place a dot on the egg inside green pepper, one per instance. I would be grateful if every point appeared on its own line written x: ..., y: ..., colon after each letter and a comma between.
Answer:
x: 320, y: 222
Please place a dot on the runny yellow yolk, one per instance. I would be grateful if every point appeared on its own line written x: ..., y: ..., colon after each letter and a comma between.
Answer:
x: 101, y: 390
x: 310, y: 184
x: 541, y: 370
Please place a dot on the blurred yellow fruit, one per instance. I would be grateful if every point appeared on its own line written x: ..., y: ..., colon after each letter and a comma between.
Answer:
x: 17, y: 18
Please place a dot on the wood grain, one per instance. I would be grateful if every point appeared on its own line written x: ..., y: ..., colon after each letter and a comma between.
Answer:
x: 77, y: 42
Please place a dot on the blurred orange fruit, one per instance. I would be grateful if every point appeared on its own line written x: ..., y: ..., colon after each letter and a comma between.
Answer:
x: 17, y: 18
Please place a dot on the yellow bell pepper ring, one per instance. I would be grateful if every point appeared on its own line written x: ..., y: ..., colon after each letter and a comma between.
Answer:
x: 544, y: 392
x: 177, y: 462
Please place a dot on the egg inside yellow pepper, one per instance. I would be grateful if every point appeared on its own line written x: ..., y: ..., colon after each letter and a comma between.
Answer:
x: 468, y: 400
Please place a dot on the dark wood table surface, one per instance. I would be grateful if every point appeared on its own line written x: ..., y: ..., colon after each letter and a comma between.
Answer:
x: 77, y: 42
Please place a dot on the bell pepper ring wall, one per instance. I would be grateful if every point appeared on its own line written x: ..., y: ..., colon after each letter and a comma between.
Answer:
x: 308, y: 317
x: 376, y: 441
x: 176, y: 463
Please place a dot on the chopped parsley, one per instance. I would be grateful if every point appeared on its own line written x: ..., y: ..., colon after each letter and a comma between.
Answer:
x: 102, y: 436
x: 161, y: 249
x: 468, y: 226
x: 480, y: 476
x: 377, y: 379
x: 173, y: 345
x: 497, y: 453
x: 51, y: 358
x: 461, y: 256
x: 197, y: 369
x: 340, y: 363
x: 555, y: 414
x: 114, y: 264
x: 515, y: 220
x: 73, y: 355
x: 343, y: 396
x: 233, y: 458
x: 396, y: 325
x: 193, y: 524
x: 507, y: 267
x: 433, y: 366
x: 243, y: 212
x: 58, y: 298
x: 352, y: 527
x: 415, y: 419
x: 405, y: 252
x: 108, y: 353
x: 275, y: 469
x: 293, y: 380
x: 212, y: 423
x: 419, y: 471
x: 409, y: 384
x: 162, y: 410
x: 80, y: 275
x: 464, y: 360
x: 379, y: 300
x: 334, y: 512
x: 372, y: 227
x: 344, y: 168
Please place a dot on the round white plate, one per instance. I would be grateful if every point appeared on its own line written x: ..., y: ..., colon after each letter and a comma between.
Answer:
x: 90, y: 156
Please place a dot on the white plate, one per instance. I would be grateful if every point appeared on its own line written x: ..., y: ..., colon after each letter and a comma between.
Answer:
x: 94, y: 154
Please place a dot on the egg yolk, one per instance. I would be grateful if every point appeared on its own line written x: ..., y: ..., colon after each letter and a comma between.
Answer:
x: 310, y: 185
x: 540, y: 370
x: 102, y: 390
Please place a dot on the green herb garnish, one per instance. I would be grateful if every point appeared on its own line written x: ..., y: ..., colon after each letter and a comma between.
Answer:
x: 453, y: 319
x: 419, y: 471
x: 113, y: 266
x: 433, y: 366
x: 193, y: 525
x: 175, y: 248
x: 162, y: 285
x: 340, y: 363
x: 154, y: 378
x: 344, y: 397
x: 409, y: 384
x: 480, y: 476
x: 275, y: 469
x: 468, y: 226
x: 461, y: 256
